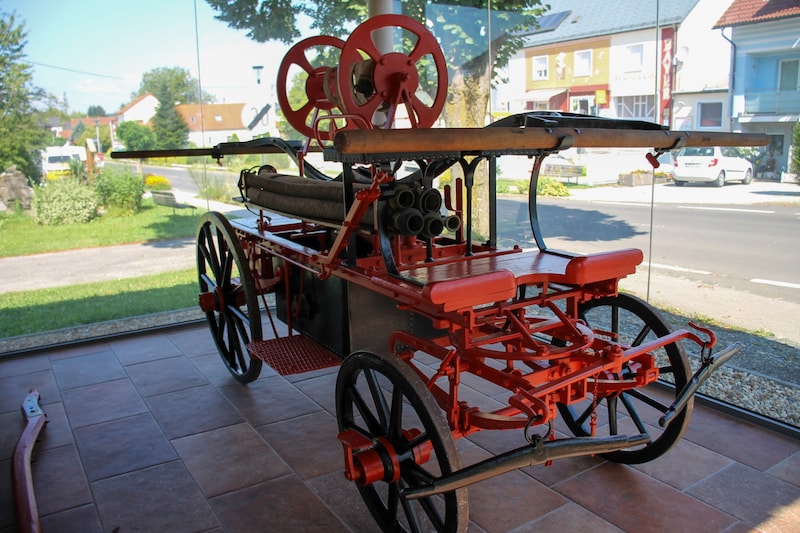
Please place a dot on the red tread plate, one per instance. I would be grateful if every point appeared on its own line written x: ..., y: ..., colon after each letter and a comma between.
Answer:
x: 293, y: 355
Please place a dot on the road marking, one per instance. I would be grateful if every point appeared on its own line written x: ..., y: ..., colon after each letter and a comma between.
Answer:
x: 777, y: 283
x: 677, y: 268
x: 610, y: 202
x: 737, y: 210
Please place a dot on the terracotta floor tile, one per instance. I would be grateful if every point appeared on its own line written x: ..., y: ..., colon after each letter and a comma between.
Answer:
x: 122, y: 445
x: 7, y: 518
x: 269, y: 400
x: 191, y: 411
x: 23, y: 364
x: 159, y: 498
x: 87, y: 370
x: 14, y: 390
x: 308, y: 443
x: 748, y: 444
x: 102, y: 402
x: 141, y: 348
x: 78, y: 520
x: 342, y: 496
x: 756, y: 498
x: 59, y: 480
x: 284, y: 504
x: 634, y: 501
x: 788, y: 470
x: 569, y: 517
x: 507, y: 501
x: 193, y: 341
x: 57, y: 432
x: 229, y: 458
x: 214, y: 370
x: 321, y: 389
x: 165, y: 375
x: 63, y: 352
x: 685, y: 464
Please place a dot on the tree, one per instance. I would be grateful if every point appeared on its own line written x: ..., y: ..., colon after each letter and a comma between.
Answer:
x: 171, y: 132
x: 96, y: 111
x: 22, y: 131
x: 136, y: 136
x: 174, y: 83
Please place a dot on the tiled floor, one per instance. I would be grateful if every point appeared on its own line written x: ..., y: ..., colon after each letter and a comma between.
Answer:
x: 150, y: 433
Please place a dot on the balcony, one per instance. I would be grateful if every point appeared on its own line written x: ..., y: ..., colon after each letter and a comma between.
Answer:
x: 771, y: 101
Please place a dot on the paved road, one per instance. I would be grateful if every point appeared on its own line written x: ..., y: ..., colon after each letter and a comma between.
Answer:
x: 728, y: 306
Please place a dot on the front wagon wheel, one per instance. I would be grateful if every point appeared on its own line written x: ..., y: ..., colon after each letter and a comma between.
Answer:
x: 633, y: 322
x: 228, y: 296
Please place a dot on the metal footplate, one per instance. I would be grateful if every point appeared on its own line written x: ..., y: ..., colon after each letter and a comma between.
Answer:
x: 293, y: 355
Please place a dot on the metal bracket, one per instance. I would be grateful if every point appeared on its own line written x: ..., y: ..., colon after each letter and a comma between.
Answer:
x: 652, y: 158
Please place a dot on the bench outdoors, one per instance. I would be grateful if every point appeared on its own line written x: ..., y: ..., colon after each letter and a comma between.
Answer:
x: 167, y: 199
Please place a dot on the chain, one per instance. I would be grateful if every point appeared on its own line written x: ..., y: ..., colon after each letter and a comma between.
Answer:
x: 593, y: 420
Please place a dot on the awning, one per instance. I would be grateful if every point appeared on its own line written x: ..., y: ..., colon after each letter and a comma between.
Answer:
x: 542, y: 95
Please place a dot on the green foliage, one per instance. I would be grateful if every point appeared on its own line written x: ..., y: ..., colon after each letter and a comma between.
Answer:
x: 136, y: 136
x: 91, y: 132
x: 171, y: 131
x: 794, y: 164
x: 551, y: 187
x: 77, y: 170
x: 176, y: 82
x: 216, y: 186
x: 120, y: 192
x: 21, y: 103
x: 96, y: 111
x: 64, y: 201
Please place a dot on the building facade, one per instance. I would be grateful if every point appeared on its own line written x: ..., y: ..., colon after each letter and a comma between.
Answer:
x: 765, y: 95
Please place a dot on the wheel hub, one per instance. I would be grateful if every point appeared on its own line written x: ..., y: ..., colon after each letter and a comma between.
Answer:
x: 369, y: 460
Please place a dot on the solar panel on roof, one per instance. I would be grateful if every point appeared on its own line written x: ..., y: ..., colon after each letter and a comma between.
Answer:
x: 549, y: 22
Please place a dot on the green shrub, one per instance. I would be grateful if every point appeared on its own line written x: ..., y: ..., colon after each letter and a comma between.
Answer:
x: 64, y: 201
x: 153, y: 182
x: 119, y: 192
x: 551, y: 187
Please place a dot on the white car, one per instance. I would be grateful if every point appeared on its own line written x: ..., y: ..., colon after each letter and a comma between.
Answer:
x: 716, y: 165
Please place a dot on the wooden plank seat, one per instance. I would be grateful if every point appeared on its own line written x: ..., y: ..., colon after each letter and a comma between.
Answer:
x: 297, y: 196
x: 484, y: 280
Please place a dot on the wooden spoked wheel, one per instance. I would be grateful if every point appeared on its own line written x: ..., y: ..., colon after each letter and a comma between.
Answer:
x: 320, y: 83
x: 372, y: 81
x: 635, y: 411
x: 228, y: 296
x: 381, y: 398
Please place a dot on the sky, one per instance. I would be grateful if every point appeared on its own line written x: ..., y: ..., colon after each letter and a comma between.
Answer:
x: 94, y: 52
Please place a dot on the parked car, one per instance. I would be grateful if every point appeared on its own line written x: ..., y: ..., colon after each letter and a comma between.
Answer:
x: 716, y: 165
x: 666, y: 165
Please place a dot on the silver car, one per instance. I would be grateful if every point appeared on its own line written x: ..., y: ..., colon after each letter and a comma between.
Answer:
x: 716, y: 165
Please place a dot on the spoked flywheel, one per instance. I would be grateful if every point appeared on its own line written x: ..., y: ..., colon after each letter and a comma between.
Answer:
x: 396, y: 438
x: 635, y: 411
x: 228, y: 295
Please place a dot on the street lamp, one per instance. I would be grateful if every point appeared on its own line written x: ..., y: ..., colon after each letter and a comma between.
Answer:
x: 97, y: 134
x: 258, y: 69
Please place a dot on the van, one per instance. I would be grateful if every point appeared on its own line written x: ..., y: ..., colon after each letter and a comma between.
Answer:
x: 56, y: 160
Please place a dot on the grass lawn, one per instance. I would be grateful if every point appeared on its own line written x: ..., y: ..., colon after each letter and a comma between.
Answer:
x: 27, y: 312
x: 21, y: 235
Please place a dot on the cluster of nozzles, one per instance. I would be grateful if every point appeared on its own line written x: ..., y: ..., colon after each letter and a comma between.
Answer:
x: 416, y: 212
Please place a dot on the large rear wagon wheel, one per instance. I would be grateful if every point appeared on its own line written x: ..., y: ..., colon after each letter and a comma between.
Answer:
x: 381, y: 398
x: 634, y: 322
x: 228, y: 296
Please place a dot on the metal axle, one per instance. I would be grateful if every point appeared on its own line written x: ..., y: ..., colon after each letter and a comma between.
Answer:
x: 539, y: 452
